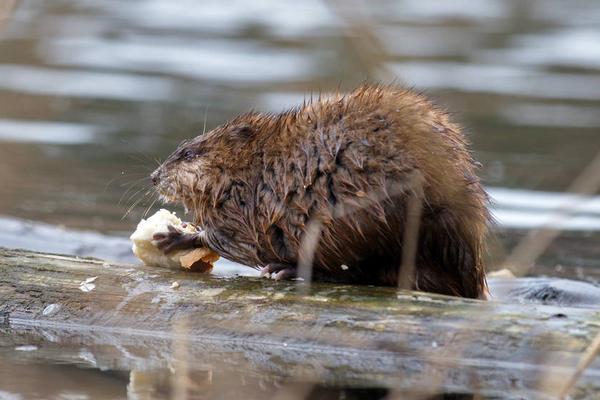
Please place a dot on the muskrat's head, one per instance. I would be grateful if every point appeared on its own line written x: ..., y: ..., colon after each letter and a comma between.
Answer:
x: 199, y: 167
x: 182, y: 173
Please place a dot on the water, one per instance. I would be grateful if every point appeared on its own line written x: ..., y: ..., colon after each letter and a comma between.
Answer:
x: 93, y: 92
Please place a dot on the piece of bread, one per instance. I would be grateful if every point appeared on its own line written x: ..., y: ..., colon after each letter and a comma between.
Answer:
x: 144, y: 247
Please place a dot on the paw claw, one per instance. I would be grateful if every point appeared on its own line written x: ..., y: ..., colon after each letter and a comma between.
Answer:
x: 278, y: 271
x: 265, y: 273
x: 286, y: 274
x: 173, y: 240
x: 172, y: 229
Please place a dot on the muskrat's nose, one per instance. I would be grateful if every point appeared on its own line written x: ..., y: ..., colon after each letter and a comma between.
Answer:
x: 155, y: 177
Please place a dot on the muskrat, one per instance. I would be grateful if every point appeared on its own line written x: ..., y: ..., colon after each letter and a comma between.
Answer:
x: 351, y: 165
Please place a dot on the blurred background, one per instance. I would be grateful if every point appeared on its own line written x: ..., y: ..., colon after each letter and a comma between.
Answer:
x: 93, y: 92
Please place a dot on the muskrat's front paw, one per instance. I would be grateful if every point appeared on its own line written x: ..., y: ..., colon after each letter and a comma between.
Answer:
x: 174, y: 239
x: 279, y: 271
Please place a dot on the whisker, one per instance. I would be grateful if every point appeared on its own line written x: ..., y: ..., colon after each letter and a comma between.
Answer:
x: 122, y: 175
x: 133, y: 195
x: 136, y: 189
x: 128, y: 190
x: 147, y: 157
x: 132, y: 185
x: 144, y: 178
x: 149, y: 207
x: 133, y: 206
x: 140, y: 160
x: 109, y: 183
x: 138, y: 169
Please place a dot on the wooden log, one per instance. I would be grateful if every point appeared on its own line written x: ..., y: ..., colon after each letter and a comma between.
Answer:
x: 235, y: 335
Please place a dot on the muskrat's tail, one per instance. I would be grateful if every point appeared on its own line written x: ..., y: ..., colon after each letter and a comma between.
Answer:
x: 451, y: 255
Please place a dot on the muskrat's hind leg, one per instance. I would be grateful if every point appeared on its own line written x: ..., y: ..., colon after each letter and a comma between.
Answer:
x: 175, y: 239
x: 451, y: 259
x: 279, y: 271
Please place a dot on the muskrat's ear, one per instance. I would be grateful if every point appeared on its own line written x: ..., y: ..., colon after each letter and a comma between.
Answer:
x: 244, y: 131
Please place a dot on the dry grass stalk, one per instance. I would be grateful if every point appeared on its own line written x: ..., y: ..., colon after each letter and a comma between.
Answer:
x: 359, y: 29
x: 180, y: 378
x: 588, y: 356
x: 7, y: 8
x: 538, y: 240
x: 406, y: 275
x: 310, y: 242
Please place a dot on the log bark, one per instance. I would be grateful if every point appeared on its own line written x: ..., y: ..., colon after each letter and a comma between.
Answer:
x: 222, y: 333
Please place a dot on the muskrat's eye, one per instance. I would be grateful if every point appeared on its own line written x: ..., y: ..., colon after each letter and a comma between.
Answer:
x: 189, y: 155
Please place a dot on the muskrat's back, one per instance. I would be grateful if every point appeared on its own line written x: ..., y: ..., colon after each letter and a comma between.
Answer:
x: 350, y: 166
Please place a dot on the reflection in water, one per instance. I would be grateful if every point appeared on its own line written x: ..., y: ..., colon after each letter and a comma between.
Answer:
x: 244, y: 62
x: 46, y: 132
x: 83, y: 84
x: 67, y: 382
x: 526, y: 209
x: 114, y: 365
x: 499, y: 80
x: 28, y: 379
x: 571, y: 116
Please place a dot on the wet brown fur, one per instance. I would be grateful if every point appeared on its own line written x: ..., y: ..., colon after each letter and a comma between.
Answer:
x: 352, y: 163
